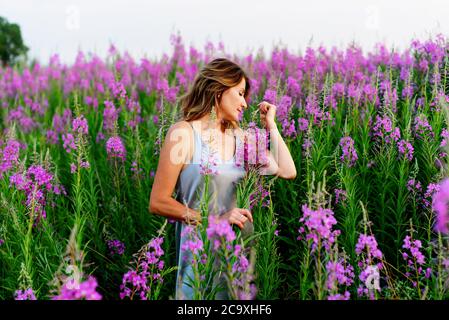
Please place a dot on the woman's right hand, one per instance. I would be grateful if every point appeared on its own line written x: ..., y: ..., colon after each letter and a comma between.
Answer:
x: 238, y: 216
x: 192, y: 217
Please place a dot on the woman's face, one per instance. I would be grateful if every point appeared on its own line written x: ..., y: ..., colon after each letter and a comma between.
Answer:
x: 233, y: 102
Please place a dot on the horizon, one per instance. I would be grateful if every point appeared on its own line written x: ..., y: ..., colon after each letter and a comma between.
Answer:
x: 143, y: 29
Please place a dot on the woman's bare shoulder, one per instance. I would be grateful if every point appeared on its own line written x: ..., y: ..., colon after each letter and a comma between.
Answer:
x: 181, y: 135
x: 180, y: 131
x: 180, y: 128
x: 180, y: 124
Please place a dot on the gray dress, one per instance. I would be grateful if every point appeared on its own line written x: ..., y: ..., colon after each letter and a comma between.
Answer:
x: 189, y: 189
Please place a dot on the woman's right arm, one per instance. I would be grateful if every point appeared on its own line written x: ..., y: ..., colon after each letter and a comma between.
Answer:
x: 175, y: 151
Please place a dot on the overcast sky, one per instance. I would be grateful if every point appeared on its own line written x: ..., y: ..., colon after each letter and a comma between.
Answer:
x: 144, y: 27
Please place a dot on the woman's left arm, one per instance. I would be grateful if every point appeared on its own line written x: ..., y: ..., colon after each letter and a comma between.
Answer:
x: 279, y: 156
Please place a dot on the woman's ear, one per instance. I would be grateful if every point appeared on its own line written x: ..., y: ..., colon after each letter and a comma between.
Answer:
x: 217, y: 99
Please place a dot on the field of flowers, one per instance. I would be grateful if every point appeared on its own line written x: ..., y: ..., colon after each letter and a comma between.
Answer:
x: 365, y: 218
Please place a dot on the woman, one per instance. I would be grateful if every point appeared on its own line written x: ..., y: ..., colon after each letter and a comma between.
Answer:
x: 211, y: 111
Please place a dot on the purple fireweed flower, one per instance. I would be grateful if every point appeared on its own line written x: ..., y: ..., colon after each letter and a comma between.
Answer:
x: 51, y: 137
x: 193, y: 243
x: 349, y: 155
x: 137, y: 171
x: 339, y: 274
x: 313, y: 109
x: 283, y: 108
x: 259, y: 194
x: 241, y: 265
x: 110, y: 115
x: 415, y: 260
x: 270, y: 96
x: 118, y: 89
x: 37, y: 183
x: 338, y: 89
x: 219, y: 230
x: 82, y: 164
x: 115, y: 148
x: 86, y: 290
x: 140, y: 280
x: 194, y: 246
x: 414, y: 247
x: 407, y: 92
x: 85, y: 164
x: 91, y: 101
x: 247, y: 294
x: 383, y: 129
x: 25, y: 123
x: 80, y: 125
x: 423, y: 65
x: 370, y: 93
x: 422, y: 128
x: 288, y: 128
x: 414, y: 186
x: 419, y: 102
x: 339, y: 296
x: 293, y: 87
x: 445, y: 136
x: 340, y: 195
x: 439, y: 101
x: 243, y: 288
x: 307, y: 146
x: 317, y: 226
x: 69, y: 142
x: 40, y: 175
x: 432, y: 188
x: 26, y: 294
x: 369, y: 262
x: 116, y: 247
x: 100, y: 136
x: 369, y: 243
x: 9, y: 156
x: 394, y: 136
x: 303, y: 124
x: 406, y: 149
x: 354, y: 92
x: 382, y: 126
x: 439, y: 206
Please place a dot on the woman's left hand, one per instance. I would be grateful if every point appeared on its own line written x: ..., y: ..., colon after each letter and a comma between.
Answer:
x: 267, y: 114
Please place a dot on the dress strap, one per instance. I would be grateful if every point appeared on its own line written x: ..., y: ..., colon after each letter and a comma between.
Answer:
x: 197, y: 145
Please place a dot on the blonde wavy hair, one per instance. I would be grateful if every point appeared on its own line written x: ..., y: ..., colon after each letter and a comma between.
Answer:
x: 207, y: 90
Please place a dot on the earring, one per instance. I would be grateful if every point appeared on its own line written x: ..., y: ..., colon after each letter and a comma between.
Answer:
x: 213, y: 114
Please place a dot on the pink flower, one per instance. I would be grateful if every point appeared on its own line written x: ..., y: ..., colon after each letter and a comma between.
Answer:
x: 115, y: 148
x: 439, y: 205
x: 80, y: 125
